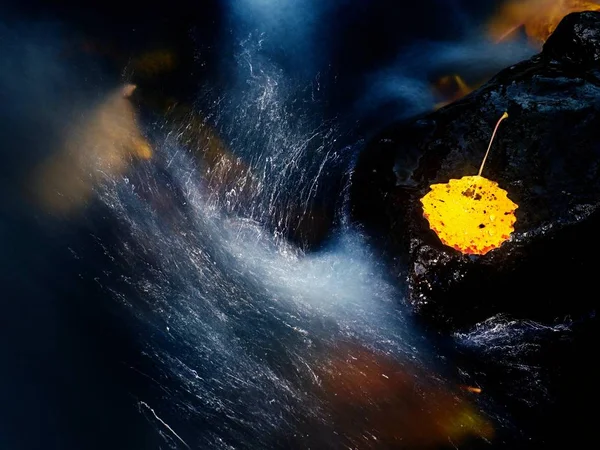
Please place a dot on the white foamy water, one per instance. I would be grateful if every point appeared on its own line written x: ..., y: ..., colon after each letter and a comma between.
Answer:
x: 240, y: 318
x: 242, y: 323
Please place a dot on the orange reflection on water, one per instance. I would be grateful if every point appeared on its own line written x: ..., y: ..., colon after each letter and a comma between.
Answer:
x: 378, y: 402
x: 449, y: 89
x: 102, y: 145
x: 539, y: 18
x: 472, y: 389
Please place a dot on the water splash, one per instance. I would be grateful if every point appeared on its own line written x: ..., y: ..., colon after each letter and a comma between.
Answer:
x: 247, y: 341
x: 515, y: 347
x: 251, y: 332
x: 293, y: 157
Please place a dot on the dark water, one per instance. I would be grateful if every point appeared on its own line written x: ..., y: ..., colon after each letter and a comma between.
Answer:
x: 165, y: 314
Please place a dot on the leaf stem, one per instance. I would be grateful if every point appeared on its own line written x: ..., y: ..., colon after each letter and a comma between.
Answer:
x: 504, y: 116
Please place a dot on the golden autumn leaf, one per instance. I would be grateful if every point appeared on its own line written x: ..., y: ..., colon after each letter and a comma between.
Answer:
x: 472, y: 214
x: 538, y: 17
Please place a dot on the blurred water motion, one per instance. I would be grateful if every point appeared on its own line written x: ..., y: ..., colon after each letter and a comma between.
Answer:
x: 451, y: 88
x: 225, y: 174
x: 102, y: 145
x: 232, y: 337
x: 539, y: 18
x: 378, y: 402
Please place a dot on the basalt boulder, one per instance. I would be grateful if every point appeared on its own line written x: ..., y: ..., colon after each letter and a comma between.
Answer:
x: 546, y: 155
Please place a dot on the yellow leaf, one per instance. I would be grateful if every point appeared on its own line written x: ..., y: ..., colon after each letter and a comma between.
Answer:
x: 471, y: 214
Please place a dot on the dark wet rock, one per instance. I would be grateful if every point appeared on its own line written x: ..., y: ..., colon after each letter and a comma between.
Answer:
x: 575, y: 40
x: 546, y: 155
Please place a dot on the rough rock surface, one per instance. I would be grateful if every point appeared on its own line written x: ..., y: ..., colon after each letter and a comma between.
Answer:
x: 546, y: 155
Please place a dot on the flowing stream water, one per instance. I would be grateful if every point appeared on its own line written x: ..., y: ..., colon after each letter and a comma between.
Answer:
x: 241, y: 338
